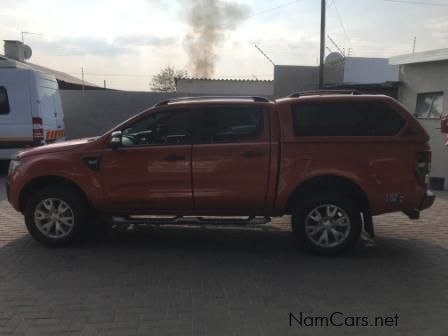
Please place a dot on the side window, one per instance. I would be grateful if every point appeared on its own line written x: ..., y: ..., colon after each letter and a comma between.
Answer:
x: 429, y: 105
x: 231, y: 123
x: 345, y: 119
x: 164, y: 128
x: 4, y: 102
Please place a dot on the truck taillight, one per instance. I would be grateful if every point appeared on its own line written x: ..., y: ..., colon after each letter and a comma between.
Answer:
x: 38, y: 131
x: 424, y: 164
x: 444, y: 124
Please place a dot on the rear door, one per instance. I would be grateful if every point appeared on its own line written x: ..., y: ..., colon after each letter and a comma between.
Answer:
x: 50, y: 108
x: 231, y: 158
x: 15, y: 109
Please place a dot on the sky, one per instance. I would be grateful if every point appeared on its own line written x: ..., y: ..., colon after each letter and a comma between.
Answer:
x: 125, y: 43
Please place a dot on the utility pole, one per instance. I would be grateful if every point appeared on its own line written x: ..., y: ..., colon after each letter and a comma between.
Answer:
x: 322, y: 44
x: 414, y: 45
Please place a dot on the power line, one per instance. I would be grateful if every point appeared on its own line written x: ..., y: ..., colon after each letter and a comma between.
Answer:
x: 341, y: 22
x: 275, y: 8
x: 110, y: 74
x: 410, y: 2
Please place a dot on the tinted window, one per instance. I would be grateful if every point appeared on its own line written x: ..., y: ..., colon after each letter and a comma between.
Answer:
x: 223, y: 124
x: 429, y: 105
x: 164, y: 128
x: 4, y: 102
x: 345, y: 119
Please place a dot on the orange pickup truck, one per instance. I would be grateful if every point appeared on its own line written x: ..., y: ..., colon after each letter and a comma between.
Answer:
x: 330, y: 159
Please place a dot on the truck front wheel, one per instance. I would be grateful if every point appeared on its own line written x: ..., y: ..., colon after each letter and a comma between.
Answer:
x: 327, y: 224
x: 56, y: 216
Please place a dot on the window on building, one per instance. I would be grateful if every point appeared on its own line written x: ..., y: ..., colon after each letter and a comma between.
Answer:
x: 345, y: 119
x: 4, y: 102
x: 429, y: 105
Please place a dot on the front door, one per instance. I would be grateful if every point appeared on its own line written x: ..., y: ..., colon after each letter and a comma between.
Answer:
x: 231, y: 159
x: 151, y: 171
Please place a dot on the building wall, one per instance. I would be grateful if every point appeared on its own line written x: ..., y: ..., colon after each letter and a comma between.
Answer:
x: 291, y: 78
x: 225, y: 87
x: 421, y: 78
x: 351, y: 70
x: 93, y: 112
x: 363, y: 70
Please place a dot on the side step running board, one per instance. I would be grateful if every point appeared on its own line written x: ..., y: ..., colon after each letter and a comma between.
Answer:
x: 191, y: 220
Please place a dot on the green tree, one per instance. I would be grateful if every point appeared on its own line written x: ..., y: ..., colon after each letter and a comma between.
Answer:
x: 164, y: 81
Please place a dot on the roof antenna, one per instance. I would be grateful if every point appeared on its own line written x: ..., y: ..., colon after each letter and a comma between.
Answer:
x: 264, y: 54
x: 28, y: 33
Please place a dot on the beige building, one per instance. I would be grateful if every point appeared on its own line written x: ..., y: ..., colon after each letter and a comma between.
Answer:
x: 423, y: 89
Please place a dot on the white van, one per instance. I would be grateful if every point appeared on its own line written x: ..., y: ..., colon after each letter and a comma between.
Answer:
x: 30, y: 109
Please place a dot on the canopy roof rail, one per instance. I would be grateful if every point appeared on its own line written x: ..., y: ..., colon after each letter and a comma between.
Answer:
x: 324, y: 93
x: 185, y: 99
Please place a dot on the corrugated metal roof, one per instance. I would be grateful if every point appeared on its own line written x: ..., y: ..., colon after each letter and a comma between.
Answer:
x: 225, y: 79
x: 60, y: 76
x: 421, y: 57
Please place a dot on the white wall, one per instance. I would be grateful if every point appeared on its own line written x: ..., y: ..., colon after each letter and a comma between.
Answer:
x: 363, y: 70
x: 96, y: 111
x: 421, y: 78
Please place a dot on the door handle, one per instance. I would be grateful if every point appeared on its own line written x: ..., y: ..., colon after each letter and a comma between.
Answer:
x: 174, y: 157
x: 252, y: 154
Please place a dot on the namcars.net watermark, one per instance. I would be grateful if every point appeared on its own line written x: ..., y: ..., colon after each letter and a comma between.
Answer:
x: 339, y: 319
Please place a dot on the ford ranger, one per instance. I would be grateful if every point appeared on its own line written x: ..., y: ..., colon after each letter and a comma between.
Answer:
x: 330, y: 159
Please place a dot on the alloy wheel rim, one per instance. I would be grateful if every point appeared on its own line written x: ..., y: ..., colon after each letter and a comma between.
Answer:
x: 54, y: 218
x: 327, y: 225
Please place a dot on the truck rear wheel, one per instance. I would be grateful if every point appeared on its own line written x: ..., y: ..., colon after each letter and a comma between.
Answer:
x: 327, y: 224
x: 57, y: 216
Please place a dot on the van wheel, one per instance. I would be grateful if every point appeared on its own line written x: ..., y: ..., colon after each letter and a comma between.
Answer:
x: 57, y: 217
x: 327, y: 224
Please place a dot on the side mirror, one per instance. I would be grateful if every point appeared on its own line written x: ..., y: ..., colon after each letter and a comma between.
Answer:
x: 115, y: 139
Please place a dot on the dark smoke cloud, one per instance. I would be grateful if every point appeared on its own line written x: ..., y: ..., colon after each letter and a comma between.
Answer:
x: 209, y: 21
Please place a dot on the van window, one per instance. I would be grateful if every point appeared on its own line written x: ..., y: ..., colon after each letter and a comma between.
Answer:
x: 373, y: 118
x: 4, y: 102
x: 225, y: 124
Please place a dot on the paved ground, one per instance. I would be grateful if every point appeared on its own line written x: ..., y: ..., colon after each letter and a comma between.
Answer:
x: 223, y: 282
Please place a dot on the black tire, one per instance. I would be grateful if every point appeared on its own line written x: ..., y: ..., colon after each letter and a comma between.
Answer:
x: 346, y: 207
x: 78, y: 209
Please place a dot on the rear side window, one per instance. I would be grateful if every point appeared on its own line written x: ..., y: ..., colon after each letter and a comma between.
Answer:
x: 345, y: 119
x: 4, y: 102
x: 226, y: 124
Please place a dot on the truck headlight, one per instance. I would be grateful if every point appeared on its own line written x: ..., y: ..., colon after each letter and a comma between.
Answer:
x: 13, y: 165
